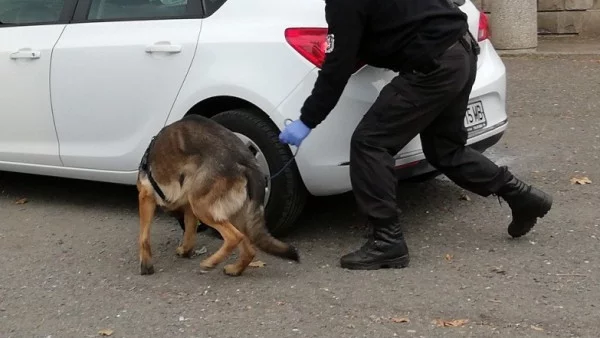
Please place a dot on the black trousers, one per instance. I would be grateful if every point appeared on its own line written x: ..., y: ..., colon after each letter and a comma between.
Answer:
x: 434, y: 105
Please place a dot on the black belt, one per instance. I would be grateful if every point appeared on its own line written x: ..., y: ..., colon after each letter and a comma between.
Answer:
x: 428, y: 66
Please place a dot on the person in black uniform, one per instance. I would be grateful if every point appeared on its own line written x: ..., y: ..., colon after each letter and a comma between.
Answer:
x: 428, y: 43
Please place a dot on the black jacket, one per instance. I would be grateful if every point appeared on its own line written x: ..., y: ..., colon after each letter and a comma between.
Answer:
x: 391, y: 34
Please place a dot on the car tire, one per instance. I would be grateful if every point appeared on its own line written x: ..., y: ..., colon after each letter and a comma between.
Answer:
x: 287, y: 195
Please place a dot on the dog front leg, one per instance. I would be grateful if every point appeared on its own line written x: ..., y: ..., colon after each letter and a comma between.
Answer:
x: 189, y: 235
x: 147, y: 208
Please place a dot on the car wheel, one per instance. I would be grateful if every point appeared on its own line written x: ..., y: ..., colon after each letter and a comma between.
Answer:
x: 285, y: 194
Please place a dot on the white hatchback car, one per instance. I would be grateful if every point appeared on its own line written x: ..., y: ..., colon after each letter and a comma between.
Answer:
x: 85, y: 85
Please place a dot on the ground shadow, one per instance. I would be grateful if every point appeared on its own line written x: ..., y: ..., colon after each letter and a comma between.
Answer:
x: 339, y: 213
x: 62, y: 191
x: 322, y: 215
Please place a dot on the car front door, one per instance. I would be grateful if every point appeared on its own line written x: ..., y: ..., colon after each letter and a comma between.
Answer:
x: 28, y: 32
x: 116, y: 72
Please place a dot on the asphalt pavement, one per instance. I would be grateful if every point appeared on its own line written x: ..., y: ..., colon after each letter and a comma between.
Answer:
x: 70, y: 266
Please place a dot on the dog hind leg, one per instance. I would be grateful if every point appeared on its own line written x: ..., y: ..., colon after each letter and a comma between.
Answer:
x: 247, y: 254
x: 231, y: 239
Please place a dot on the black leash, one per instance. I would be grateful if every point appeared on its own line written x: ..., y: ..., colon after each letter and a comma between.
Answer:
x: 285, y: 166
x: 288, y: 162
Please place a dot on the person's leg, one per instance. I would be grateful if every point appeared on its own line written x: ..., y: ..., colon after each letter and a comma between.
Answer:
x: 444, y: 147
x: 403, y: 109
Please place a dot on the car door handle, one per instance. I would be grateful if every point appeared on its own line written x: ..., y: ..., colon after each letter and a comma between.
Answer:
x: 26, y: 54
x: 163, y: 47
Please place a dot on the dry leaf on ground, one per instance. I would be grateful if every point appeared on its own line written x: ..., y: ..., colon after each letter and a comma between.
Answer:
x: 449, y: 257
x: 400, y: 320
x: 22, y: 201
x: 581, y: 180
x: 106, y: 332
x: 257, y: 264
x: 499, y: 270
x: 201, y: 251
x: 451, y: 323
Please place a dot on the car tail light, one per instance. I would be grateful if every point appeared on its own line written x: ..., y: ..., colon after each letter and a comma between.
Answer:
x: 311, y: 43
x: 408, y: 165
x: 484, y: 28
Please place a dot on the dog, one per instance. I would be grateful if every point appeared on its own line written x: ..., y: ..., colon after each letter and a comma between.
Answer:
x: 195, y: 169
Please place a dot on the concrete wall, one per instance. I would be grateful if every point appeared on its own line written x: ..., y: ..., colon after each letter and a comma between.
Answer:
x: 562, y: 17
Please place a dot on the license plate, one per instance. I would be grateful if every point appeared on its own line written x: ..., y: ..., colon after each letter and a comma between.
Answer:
x: 475, y: 117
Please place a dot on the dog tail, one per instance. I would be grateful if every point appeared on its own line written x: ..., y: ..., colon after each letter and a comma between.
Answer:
x: 256, y: 229
x: 262, y: 239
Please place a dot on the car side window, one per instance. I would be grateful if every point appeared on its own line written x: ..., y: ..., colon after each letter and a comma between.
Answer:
x: 211, y: 6
x: 28, y: 12
x: 136, y: 9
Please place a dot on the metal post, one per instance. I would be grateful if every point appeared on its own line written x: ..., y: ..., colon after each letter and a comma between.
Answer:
x: 514, y: 24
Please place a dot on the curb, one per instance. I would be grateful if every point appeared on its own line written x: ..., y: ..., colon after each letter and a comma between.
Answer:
x: 503, y: 53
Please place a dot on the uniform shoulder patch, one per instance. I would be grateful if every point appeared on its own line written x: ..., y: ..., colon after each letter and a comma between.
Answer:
x: 330, y: 43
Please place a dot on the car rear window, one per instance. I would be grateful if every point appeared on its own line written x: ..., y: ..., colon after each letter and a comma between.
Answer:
x: 131, y: 9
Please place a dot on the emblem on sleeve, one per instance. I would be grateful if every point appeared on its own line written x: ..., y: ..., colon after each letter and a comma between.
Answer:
x: 330, y: 43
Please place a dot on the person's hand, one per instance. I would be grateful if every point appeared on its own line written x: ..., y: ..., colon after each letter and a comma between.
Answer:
x: 294, y: 133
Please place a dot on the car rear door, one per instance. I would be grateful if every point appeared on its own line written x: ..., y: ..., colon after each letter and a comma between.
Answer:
x: 116, y: 72
x: 28, y: 32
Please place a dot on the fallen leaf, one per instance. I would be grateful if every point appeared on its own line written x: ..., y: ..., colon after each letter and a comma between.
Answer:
x: 581, y: 180
x: 451, y: 323
x: 465, y: 197
x: 375, y: 319
x: 201, y: 251
x: 499, y: 270
x: 449, y: 257
x: 537, y: 328
x: 22, y: 201
x: 257, y: 264
x: 106, y: 332
x: 400, y: 320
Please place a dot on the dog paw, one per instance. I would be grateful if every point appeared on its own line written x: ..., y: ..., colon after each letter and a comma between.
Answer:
x: 206, y: 266
x: 182, y: 253
x: 232, y: 270
x: 146, y: 269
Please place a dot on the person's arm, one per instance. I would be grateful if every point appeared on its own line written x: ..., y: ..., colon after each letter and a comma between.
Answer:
x: 345, y: 19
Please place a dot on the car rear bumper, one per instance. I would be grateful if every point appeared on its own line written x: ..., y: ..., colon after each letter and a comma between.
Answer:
x: 331, y: 180
x: 420, y: 166
x: 324, y: 155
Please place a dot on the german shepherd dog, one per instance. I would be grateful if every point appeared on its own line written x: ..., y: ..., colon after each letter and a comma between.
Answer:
x: 196, y: 169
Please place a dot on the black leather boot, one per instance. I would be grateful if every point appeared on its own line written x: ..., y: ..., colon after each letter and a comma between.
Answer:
x: 386, y: 248
x: 527, y: 204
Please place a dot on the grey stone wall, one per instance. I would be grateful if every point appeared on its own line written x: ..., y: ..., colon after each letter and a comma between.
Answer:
x: 580, y: 17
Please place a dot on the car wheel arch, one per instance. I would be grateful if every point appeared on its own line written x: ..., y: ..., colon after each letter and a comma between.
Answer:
x: 217, y: 106
x: 214, y: 105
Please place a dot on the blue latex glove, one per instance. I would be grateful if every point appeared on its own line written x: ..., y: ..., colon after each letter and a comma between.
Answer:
x: 294, y: 133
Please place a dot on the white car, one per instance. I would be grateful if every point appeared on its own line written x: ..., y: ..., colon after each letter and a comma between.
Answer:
x: 85, y: 85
